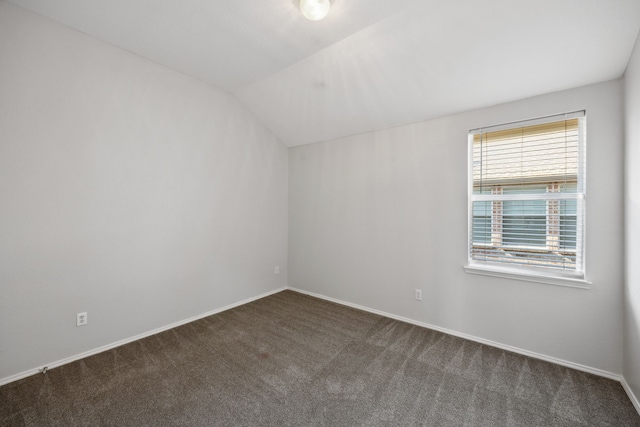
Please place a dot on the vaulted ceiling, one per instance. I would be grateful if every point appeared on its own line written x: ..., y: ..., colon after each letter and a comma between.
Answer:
x: 370, y: 64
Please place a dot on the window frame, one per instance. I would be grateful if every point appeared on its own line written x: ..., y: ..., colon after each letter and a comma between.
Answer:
x: 572, y: 278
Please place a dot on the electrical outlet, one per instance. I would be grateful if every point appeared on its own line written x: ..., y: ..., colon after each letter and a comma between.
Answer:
x: 276, y: 270
x: 418, y: 295
x: 81, y: 319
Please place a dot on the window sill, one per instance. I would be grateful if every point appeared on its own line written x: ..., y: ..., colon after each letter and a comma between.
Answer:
x: 528, y: 277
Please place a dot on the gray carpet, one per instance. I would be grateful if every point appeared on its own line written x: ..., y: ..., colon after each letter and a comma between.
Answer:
x: 290, y: 359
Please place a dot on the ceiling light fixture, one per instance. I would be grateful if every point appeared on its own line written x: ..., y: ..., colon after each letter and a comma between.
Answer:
x: 315, y: 10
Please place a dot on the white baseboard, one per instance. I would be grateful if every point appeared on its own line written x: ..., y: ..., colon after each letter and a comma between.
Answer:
x: 632, y: 396
x: 70, y: 359
x: 533, y: 354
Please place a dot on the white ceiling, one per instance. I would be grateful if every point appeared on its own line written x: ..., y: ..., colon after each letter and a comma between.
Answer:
x: 370, y: 64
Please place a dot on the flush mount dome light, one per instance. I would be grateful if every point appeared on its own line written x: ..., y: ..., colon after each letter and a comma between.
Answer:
x: 314, y: 10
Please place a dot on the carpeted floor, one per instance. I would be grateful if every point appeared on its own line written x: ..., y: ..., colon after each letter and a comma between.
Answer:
x: 290, y: 359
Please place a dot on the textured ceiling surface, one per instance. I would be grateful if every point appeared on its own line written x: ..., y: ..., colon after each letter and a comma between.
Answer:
x: 370, y: 64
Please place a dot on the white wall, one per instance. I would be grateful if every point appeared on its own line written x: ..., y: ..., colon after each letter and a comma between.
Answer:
x: 146, y: 197
x: 632, y: 224
x: 374, y: 216
x: 127, y: 190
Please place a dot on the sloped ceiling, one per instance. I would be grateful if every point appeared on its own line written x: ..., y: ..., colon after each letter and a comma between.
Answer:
x: 370, y: 64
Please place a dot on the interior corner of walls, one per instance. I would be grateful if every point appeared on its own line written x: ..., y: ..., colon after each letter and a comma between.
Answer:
x: 173, y: 182
x: 324, y: 235
x: 632, y: 396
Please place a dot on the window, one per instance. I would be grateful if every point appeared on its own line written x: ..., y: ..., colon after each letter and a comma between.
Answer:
x: 527, y: 197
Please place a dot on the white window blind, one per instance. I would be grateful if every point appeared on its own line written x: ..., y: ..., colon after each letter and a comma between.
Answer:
x: 527, y: 195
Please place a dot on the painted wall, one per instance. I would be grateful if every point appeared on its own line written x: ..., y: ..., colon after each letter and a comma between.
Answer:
x: 127, y: 190
x: 374, y: 216
x: 632, y: 224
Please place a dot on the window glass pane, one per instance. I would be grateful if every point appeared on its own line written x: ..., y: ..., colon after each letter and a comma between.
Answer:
x: 524, y: 207
x: 568, y: 207
x: 481, y: 222
x: 568, y: 224
x: 524, y: 230
x: 525, y: 189
x: 568, y: 187
x: 483, y: 190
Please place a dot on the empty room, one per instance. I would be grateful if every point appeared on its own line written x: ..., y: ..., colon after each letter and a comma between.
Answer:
x: 319, y: 212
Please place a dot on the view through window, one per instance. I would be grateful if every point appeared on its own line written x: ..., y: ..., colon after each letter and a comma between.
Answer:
x: 527, y: 195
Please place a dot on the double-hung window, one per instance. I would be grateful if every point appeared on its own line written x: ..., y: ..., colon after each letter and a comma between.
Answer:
x: 527, y: 199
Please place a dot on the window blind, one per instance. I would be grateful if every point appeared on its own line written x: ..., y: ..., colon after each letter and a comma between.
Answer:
x: 527, y: 195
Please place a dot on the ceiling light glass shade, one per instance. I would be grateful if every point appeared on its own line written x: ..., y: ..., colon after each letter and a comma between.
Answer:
x: 314, y: 10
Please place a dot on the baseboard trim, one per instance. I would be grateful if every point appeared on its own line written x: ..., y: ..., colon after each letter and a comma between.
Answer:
x: 632, y: 396
x: 518, y: 350
x: 73, y: 358
x: 562, y: 362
